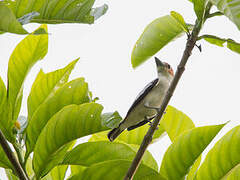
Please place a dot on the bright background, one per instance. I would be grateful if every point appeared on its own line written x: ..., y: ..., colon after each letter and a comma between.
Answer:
x: 208, y: 91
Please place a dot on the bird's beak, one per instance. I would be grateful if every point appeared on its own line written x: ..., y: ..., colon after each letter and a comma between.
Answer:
x: 158, y: 62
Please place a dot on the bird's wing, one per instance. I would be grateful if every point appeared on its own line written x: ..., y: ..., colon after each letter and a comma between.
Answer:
x: 142, y: 94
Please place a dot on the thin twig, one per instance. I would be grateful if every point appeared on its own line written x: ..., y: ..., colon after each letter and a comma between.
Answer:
x: 18, y: 169
x: 218, y: 13
x: 180, y: 69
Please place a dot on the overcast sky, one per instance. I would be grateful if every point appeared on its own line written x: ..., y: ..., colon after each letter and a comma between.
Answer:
x: 208, y: 91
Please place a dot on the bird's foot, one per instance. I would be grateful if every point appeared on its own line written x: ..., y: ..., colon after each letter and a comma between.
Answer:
x: 150, y: 123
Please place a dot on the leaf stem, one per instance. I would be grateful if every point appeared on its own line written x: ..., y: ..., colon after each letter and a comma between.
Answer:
x: 218, y: 13
x: 180, y: 69
x: 16, y: 165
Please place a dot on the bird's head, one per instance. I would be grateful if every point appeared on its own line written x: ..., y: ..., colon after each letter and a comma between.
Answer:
x: 164, y: 69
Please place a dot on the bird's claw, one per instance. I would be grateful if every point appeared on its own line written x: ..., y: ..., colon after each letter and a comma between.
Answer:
x: 150, y: 123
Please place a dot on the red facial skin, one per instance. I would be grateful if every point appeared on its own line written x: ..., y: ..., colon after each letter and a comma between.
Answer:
x: 169, y: 69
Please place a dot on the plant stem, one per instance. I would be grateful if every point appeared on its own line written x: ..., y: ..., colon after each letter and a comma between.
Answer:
x: 19, y: 155
x: 18, y: 169
x: 218, y: 13
x: 180, y: 69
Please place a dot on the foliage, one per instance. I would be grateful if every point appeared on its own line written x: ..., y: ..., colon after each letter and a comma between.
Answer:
x: 60, y: 110
x: 19, y: 12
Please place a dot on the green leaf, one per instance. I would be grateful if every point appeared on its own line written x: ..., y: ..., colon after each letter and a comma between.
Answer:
x: 181, y: 155
x: 58, y: 172
x: 85, y: 154
x: 29, y: 167
x: 117, y: 169
x: 25, y: 55
x: 175, y: 122
x: 230, y: 8
x: 76, y: 169
x: 178, y: 17
x: 155, y: 36
x: 192, y: 173
x: 233, y: 174
x: 73, y: 92
x: 70, y: 123
x: 223, y: 159
x: 8, y: 22
x: 5, y: 108
x: 234, y: 46
x: 4, y: 162
x: 199, y: 8
x: 3, y: 93
x: 130, y: 137
x: 231, y: 44
x: 111, y: 120
x: 46, y: 84
x: 55, y: 12
x: 148, y: 159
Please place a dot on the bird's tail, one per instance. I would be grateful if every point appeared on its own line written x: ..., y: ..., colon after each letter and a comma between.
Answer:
x: 114, y: 133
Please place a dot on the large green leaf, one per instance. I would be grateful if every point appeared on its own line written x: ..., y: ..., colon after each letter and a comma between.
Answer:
x: 148, y: 159
x: 73, y: 92
x: 76, y: 170
x: 58, y: 11
x: 230, y: 8
x: 231, y: 44
x: 46, y: 84
x: 155, y: 36
x: 71, y: 122
x: 184, y: 151
x: 86, y: 155
x: 175, y: 122
x: 130, y: 137
x: 223, y: 159
x: 25, y: 55
x: 8, y: 21
x: 233, y: 174
x: 116, y: 169
x: 58, y: 172
x: 194, y: 168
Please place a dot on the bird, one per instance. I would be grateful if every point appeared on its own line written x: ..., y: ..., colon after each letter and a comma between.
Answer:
x: 148, y: 101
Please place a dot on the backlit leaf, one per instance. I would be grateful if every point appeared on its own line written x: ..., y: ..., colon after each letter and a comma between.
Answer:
x: 156, y: 35
x: 70, y: 123
x: 184, y: 151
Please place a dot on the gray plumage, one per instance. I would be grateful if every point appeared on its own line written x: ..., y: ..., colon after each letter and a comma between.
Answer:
x: 152, y: 95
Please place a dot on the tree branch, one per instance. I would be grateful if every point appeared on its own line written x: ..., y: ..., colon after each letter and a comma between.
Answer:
x: 18, y: 169
x: 180, y: 69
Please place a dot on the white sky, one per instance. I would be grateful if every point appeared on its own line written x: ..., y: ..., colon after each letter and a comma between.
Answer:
x: 208, y: 91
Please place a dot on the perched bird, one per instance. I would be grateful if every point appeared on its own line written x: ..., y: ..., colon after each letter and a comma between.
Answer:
x: 149, y: 99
